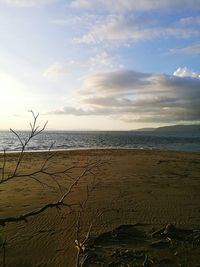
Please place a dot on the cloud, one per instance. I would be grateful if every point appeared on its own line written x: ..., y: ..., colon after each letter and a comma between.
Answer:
x: 26, y: 3
x: 97, y: 62
x: 190, y: 20
x: 102, y: 58
x: 136, y: 96
x: 114, y: 28
x: 84, y: 19
x: 80, y: 111
x: 103, y: 61
x: 56, y: 70
x: 192, y: 49
x: 128, y: 5
x: 185, y: 72
x: 129, y: 28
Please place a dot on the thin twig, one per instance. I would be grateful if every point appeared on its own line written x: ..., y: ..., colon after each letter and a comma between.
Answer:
x: 4, y: 253
x: 59, y: 203
x: 4, y: 165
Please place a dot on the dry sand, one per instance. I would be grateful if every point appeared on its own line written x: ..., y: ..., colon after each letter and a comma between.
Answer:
x: 151, y: 187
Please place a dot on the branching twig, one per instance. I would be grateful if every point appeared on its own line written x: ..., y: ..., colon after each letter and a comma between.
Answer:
x: 23, y: 143
x: 57, y: 204
x: 91, y: 168
x: 80, y: 242
x: 4, y: 253
x: 4, y: 165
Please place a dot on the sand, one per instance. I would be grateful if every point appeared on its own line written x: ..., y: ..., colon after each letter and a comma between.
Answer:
x: 140, y: 186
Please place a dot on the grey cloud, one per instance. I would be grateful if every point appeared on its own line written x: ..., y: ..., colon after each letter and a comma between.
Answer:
x: 130, y: 82
x: 116, y: 81
x: 135, y: 96
x: 108, y: 102
x: 82, y: 111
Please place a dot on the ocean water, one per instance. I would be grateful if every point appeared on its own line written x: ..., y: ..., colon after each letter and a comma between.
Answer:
x: 84, y: 140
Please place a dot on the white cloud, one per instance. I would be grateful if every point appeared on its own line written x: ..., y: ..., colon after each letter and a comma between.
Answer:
x: 185, y: 72
x: 135, y: 96
x: 56, y: 70
x: 82, y: 21
x: 103, y: 60
x: 192, y: 49
x: 26, y: 3
x: 129, y: 28
x: 190, y: 20
x: 127, y: 5
x: 97, y: 62
x: 113, y: 28
x: 83, y: 3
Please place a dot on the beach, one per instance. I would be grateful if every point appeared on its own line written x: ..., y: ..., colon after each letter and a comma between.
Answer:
x: 134, y: 186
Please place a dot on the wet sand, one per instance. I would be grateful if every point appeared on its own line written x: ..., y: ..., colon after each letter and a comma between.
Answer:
x: 140, y: 186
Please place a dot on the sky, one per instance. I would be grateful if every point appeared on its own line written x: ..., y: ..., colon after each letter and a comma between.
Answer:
x: 99, y: 65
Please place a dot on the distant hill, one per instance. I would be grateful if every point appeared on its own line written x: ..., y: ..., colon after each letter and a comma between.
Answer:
x: 172, y: 129
x: 145, y: 130
x: 179, y: 128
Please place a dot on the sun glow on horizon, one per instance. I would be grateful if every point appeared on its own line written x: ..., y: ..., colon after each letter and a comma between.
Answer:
x: 12, y: 93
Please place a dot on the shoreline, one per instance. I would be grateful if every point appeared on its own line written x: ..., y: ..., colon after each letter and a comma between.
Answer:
x: 99, y: 149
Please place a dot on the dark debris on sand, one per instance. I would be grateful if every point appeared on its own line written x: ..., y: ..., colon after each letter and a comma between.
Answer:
x: 141, y: 245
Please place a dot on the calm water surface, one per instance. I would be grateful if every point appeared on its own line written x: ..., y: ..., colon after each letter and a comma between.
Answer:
x: 83, y: 140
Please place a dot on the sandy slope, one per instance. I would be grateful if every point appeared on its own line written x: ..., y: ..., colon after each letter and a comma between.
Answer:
x: 154, y: 187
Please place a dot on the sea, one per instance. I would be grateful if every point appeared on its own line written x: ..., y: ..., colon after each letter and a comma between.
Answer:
x: 64, y: 140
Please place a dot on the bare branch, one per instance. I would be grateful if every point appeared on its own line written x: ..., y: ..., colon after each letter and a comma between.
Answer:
x: 60, y: 202
x: 25, y: 216
x: 24, y: 143
x: 91, y: 168
x: 4, y: 253
x: 4, y: 165
x: 18, y: 136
